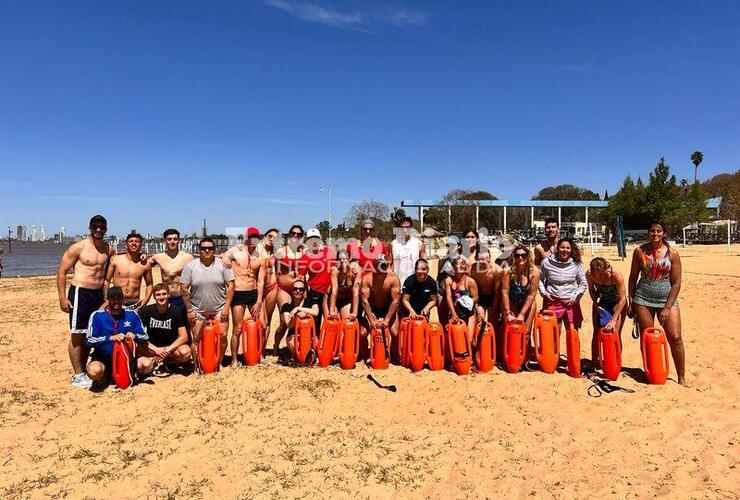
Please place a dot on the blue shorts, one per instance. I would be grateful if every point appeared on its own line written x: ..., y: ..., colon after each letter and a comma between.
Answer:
x: 177, y: 302
x: 85, y: 301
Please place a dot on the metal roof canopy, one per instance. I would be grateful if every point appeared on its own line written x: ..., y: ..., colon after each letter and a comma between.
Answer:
x: 507, y: 203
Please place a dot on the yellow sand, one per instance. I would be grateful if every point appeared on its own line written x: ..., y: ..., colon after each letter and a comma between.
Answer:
x: 272, y: 431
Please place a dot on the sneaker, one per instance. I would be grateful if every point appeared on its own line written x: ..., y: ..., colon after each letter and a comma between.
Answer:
x: 82, y: 380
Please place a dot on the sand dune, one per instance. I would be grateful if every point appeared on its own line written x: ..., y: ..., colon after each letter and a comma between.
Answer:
x: 273, y: 431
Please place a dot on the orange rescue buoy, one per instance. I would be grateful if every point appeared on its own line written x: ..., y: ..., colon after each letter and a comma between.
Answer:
x: 349, y: 343
x: 209, y: 346
x: 573, y: 345
x: 459, y: 346
x: 416, y: 344
x: 610, y: 353
x: 485, y: 353
x: 304, y: 340
x: 253, y: 335
x: 515, y: 345
x: 124, y: 363
x: 547, y: 341
x: 655, y: 355
x: 435, y: 346
x: 328, y: 340
x: 379, y: 348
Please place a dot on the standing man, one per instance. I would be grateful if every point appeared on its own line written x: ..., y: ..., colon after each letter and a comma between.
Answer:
x: 207, y: 288
x: 165, y: 326
x: 249, y: 277
x: 127, y: 270
x: 89, y: 258
x: 171, y: 263
x: 545, y: 248
x: 406, y: 249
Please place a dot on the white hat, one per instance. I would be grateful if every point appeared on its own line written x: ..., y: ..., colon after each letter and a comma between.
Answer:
x: 313, y: 233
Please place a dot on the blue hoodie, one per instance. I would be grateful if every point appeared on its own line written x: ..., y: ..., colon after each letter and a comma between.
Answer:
x: 103, y: 326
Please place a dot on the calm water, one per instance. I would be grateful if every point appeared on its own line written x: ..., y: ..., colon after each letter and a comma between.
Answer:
x: 31, y: 259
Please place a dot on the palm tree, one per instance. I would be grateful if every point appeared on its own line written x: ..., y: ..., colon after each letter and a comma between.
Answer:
x: 696, y: 158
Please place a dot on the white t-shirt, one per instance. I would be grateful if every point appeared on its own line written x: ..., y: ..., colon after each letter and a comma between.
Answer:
x: 405, y: 255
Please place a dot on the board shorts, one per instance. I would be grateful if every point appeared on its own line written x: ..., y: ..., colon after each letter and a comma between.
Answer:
x: 244, y: 298
x: 206, y: 315
x: 85, y: 301
x: 130, y: 304
x: 572, y: 313
x: 485, y: 300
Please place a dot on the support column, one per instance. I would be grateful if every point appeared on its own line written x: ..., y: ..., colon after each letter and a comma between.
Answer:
x: 532, y: 217
x: 449, y: 219
x: 421, y: 219
x: 504, y: 219
x: 586, y: 216
x: 559, y: 216
x: 477, y: 217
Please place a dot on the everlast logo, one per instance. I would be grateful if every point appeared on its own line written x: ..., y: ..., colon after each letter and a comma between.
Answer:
x: 156, y: 323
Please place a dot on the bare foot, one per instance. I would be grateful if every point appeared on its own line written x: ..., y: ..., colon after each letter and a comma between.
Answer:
x: 682, y: 381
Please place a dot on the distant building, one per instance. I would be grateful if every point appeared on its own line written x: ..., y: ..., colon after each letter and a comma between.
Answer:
x: 42, y: 233
x: 21, y: 233
x: 34, y: 236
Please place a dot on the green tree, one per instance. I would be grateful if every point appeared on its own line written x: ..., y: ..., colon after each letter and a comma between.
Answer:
x: 662, y: 194
x: 728, y: 187
x: 463, y: 217
x: 564, y: 192
x: 396, y: 216
x: 323, y: 228
x: 377, y: 211
x: 696, y: 158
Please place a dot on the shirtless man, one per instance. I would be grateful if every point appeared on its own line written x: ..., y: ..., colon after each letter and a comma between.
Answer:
x: 249, y: 283
x: 546, y: 247
x: 487, y: 275
x: 127, y: 270
x: 171, y: 262
x: 381, y: 295
x: 89, y: 257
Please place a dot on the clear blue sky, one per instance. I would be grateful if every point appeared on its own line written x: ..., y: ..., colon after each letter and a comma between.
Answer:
x: 159, y: 113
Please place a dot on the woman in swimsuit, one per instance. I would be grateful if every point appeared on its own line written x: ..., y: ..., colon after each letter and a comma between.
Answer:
x: 609, y: 295
x: 471, y: 245
x: 445, y: 269
x: 519, y: 289
x: 457, y: 288
x: 656, y: 293
x: 266, y: 250
x: 346, y: 282
x: 289, y: 266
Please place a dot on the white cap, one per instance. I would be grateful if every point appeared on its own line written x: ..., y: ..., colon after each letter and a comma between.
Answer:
x: 313, y: 233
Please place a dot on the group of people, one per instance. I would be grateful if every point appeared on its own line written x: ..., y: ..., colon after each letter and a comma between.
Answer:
x: 377, y: 283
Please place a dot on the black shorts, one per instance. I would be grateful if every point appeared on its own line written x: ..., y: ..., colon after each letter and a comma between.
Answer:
x: 245, y: 298
x: 85, y: 301
x: 485, y: 300
x: 343, y: 301
x: 380, y: 312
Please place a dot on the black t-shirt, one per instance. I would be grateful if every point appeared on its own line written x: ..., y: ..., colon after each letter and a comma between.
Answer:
x: 310, y: 301
x: 419, y: 293
x: 162, y: 327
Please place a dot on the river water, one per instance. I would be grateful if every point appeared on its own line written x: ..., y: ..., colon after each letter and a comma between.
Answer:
x: 31, y: 258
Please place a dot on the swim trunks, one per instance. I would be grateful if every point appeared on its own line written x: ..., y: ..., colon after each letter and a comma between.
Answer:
x: 485, y: 300
x: 130, y: 304
x: 245, y: 298
x: 85, y: 301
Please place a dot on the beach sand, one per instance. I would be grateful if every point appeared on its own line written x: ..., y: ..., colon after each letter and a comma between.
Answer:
x: 273, y: 431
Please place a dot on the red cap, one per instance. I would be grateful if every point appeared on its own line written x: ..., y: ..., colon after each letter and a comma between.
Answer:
x: 252, y: 231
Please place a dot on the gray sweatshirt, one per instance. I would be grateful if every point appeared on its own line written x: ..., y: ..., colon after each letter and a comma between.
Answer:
x: 562, y: 280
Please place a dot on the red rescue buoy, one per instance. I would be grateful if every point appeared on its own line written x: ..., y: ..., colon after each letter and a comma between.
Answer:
x: 485, y: 353
x: 655, y: 355
x: 610, y: 353
x: 547, y: 341
x: 328, y: 341
x: 459, y: 347
x: 252, y: 341
x: 573, y: 345
x: 209, y: 346
x: 349, y: 343
x: 416, y: 345
x: 304, y: 340
x: 403, y: 330
x: 515, y: 345
x: 435, y: 346
x: 379, y: 348
x: 124, y: 363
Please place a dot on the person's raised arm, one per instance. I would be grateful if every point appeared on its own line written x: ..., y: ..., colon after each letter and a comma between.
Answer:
x: 69, y: 259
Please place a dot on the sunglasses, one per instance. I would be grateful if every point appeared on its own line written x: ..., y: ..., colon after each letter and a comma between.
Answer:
x: 295, y: 235
x: 98, y: 228
x: 368, y: 229
x: 207, y: 249
x: 299, y: 289
x: 520, y: 255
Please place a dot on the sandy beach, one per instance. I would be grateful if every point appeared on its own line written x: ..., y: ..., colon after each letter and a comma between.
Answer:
x: 272, y: 431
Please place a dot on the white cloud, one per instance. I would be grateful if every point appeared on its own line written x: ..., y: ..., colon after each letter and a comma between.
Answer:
x: 351, y: 20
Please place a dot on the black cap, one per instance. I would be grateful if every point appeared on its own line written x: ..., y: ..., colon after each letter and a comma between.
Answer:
x: 98, y: 219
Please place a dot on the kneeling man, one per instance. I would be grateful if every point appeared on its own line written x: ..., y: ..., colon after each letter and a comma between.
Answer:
x: 109, y: 325
x: 164, y: 324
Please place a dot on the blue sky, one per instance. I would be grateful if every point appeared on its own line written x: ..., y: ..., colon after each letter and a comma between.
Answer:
x: 158, y: 114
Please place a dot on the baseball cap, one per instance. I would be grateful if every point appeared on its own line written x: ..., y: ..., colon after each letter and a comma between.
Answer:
x: 252, y: 231
x: 313, y: 233
x: 368, y: 222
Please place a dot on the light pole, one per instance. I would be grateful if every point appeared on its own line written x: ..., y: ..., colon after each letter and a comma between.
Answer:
x: 328, y: 190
